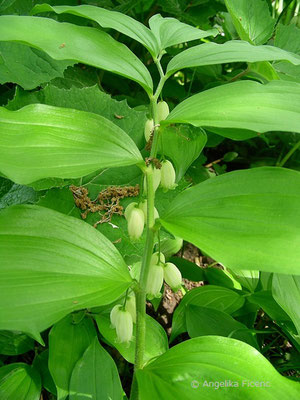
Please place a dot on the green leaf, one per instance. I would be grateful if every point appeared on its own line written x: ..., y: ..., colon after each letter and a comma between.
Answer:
x: 170, y: 31
x: 184, y: 373
x: 67, y: 343
x: 40, y: 141
x: 89, y: 99
x: 182, y: 144
x: 231, y: 51
x: 215, y: 297
x: 19, y: 381
x: 13, y: 343
x: 243, y: 219
x: 249, y: 279
x: 40, y: 362
x: 156, y: 338
x: 266, y: 302
x: 64, y: 41
x: 251, y: 19
x: 17, y: 194
x: 221, y: 277
x: 51, y: 265
x: 204, y: 321
x: 108, y: 19
x: 243, y: 105
x: 286, y: 292
x: 95, y: 376
x: 28, y: 67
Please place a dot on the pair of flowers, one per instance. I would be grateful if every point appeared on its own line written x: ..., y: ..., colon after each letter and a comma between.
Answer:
x: 123, y: 317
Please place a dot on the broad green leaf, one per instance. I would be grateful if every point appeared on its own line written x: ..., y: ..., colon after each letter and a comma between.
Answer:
x: 17, y: 194
x: 182, y: 144
x: 265, y: 300
x: 210, y: 296
x: 286, y: 292
x: 40, y: 141
x: 156, y: 338
x: 19, y: 381
x: 243, y: 219
x: 170, y: 31
x: 248, y: 278
x: 67, y: 343
x: 251, y: 19
x: 95, y: 376
x: 184, y: 373
x: 204, y: 321
x: 64, y: 41
x: 5, y: 4
x: 287, y: 37
x: 108, y: 19
x: 53, y: 264
x: 13, y: 343
x: 243, y: 105
x: 231, y: 51
x: 28, y: 67
x: 40, y: 362
x: 89, y: 99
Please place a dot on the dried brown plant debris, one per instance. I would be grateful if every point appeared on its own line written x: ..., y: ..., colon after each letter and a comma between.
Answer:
x: 107, y: 203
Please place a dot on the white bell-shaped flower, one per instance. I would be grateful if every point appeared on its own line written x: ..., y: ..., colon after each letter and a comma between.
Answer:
x: 162, y: 110
x: 157, y: 257
x: 171, y: 246
x: 172, y: 276
x: 168, y: 175
x: 129, y: 208
x: 131, y: 307
x: 121, y: 320
x: 155, y: 281
x: 143, y: 207
x: 149, y: 125
x: 135, y: 223
x: 156, y: 179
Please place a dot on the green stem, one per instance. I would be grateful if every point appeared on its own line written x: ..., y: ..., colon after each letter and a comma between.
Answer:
x: 289, y: 154
x: 141, y: 291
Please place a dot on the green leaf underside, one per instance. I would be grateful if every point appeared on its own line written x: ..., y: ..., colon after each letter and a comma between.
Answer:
x: 41, y: 141
x: 19, y: 381
x: 228, y: 216
x: 67, y: 343
x: 108, y: 19
x: 103, y: 383
x: 251, y: 19
x: 53, y: 264
x: 183, y: 371
x: 210, y: 296
x: 13, y: 343
x: 156, y: 338
x: 231, y: 51
x: 243, y: 105
x: 28, y: 67
x: 64, y: 41
x: 170, y: 31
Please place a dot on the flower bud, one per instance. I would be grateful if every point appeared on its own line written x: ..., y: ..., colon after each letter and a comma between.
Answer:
x: 143, y: 207
x: 171, y: 246
x: 131, y: 307
x: 148, y: 129
x: 162, y: 110
x: 156, y: 258
x: 155, y: 281
x: 135, y: 223
x: 168, y: 175
x: 124, y: 325
x: 172, y: 276
x: 156, y: 179
x: 129, y: 208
